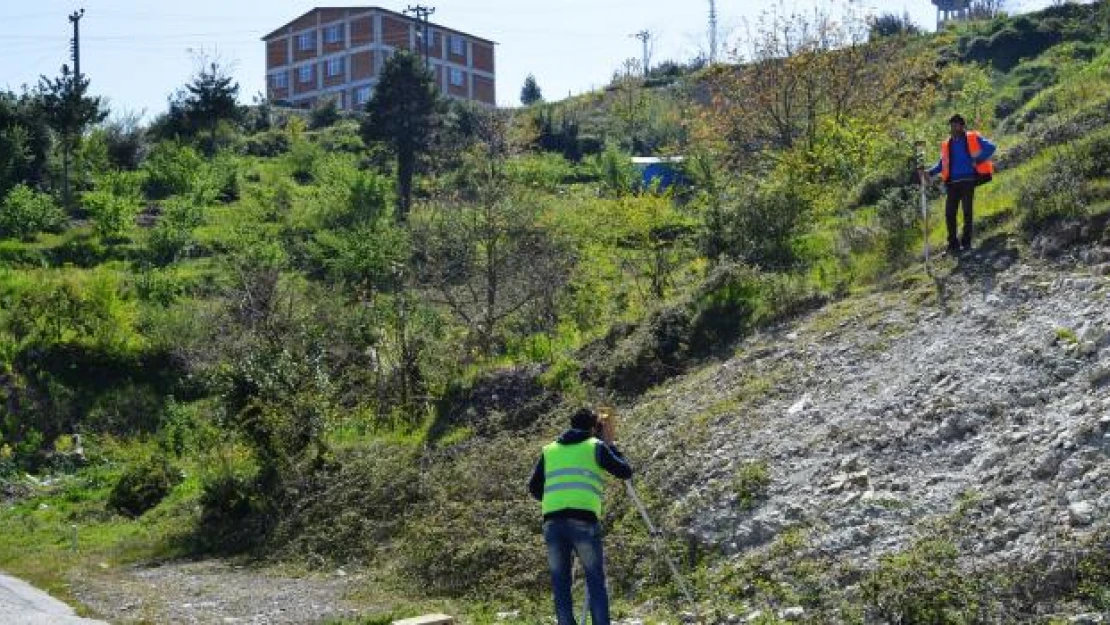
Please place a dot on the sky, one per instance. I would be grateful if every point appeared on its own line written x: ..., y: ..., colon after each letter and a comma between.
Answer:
x: 138, y: 52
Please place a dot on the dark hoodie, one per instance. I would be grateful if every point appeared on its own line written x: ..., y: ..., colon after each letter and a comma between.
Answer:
x: 607, y: 456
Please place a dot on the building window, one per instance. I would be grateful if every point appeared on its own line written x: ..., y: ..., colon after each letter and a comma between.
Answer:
x: 305, y: 73
x: 306, y: 41
x: 456, y: 77
x: 335, y: 67
x: 333, y: 34
x: 458, y: 45
x: 362, y: 95
x: 279, y: 81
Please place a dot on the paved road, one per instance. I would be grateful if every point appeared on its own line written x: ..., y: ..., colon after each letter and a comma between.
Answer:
x: 23, y: 604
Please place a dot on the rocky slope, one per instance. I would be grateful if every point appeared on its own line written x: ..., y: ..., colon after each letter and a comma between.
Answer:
x: 983, y: 391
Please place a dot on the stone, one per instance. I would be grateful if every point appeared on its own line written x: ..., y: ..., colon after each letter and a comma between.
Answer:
x: 1090, y: 618
x: 1082, y: 513
x: 793, y: 614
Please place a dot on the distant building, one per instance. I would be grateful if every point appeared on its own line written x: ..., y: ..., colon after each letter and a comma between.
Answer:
x: 339, y: 52
x: 949, y: 10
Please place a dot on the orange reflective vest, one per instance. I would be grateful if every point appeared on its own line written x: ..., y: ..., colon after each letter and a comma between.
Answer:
x: 986, y: 168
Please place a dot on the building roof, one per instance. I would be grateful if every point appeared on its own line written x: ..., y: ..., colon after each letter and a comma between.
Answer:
x: 952, y: 5
x: 359, y: 10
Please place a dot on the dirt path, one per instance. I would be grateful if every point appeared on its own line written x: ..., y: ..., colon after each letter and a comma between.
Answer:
x: 213, y: 592
x: 23, y: 604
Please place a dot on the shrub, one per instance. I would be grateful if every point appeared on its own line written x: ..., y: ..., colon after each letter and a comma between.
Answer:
x: 892, y: 25
x: 114, y: 204
x: 171, y: 169
x: 235, y: 516
x: 143, y: 486
x: 615, y: 171
x: 303, y: 157
x: 25, y: 212
x: 762, y: 226
x: 897, y: 214
x: 724, y: 307
x: 174, y: 233
x: 923, y: 584
x: 1053, y: 193
x: 324, y: 114
x: 268, y: 144
x: 751, y: 483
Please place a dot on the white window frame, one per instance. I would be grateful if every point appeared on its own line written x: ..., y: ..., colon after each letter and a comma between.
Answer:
x: 335, y: 64
x: 458, y: 45
x: 456, y: 78
x: 306, y: 41
x: 336, y: 30
x: 280, y: 80
x: 306, y: 73
x: 362, y: 95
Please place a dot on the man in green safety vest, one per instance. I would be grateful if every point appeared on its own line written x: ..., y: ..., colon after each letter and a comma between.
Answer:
x: 569, y: 481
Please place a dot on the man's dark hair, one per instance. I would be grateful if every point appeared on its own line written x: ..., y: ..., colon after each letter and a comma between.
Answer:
x: 584, y: 419
x: 957, y: 119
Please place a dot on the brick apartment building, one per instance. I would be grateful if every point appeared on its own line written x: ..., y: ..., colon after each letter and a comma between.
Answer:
x: 339, y: 52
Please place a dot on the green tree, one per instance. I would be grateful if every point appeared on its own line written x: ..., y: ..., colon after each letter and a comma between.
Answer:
x: 24, y: 141
x: 68, y: 110
x: 212, y: 98
x: 530, y: 93
x: 401, y: 115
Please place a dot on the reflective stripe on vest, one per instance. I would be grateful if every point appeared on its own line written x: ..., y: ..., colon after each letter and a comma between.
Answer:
x: 572, y: 477
x: 986, y: 168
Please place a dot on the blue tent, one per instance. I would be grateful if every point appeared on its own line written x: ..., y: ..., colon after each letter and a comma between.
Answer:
x: 665, y: 171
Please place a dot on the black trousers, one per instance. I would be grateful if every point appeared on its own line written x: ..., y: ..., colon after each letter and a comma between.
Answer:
x: 960, y: 192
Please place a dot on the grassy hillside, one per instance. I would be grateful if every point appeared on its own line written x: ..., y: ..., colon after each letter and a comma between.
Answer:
x: 241, y: 351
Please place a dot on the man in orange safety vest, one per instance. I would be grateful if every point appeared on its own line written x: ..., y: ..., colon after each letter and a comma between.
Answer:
x: 965, y: 163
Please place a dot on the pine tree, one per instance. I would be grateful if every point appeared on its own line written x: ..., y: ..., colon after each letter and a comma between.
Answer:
x: 212, y: 97
x: 401, y: 115
x: 530, y: 93
x: 68, y: 110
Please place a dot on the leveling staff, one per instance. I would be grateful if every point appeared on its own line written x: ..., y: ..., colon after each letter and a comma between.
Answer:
x: 569, y: 481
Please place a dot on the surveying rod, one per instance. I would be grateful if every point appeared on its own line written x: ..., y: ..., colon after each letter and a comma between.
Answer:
x: 919, y: 149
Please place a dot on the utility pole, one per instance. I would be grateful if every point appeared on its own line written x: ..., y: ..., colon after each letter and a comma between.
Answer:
x: 645, y: 36
x: 75, y: 52
x: 712, y: 32
x: 422, y: 14
x: 75, y: 45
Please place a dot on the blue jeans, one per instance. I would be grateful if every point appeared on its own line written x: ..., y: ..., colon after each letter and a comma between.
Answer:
x: 565, y: 537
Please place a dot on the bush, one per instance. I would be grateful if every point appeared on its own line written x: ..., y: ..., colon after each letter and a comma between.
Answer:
x: 171, y: 169
x: 324, y: 114
x: 1054, y: 192
x: 616, y: 172
x: 268, y: 144
x: 235, y: 515
x: 761, y: 227
x: 751, y: 483
x: 893, y: 25
x: 925, y: 585
x: 25, y: 212
x: 303, y: 157
x: 174, y: 233
x: 114, y: 204
x: 143, y: 486
x: 897, y: 214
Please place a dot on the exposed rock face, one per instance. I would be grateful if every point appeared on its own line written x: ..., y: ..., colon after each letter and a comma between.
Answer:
x: 986, y: 392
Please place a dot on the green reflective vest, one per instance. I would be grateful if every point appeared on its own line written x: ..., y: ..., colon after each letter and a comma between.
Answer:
x: 572, y: 477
